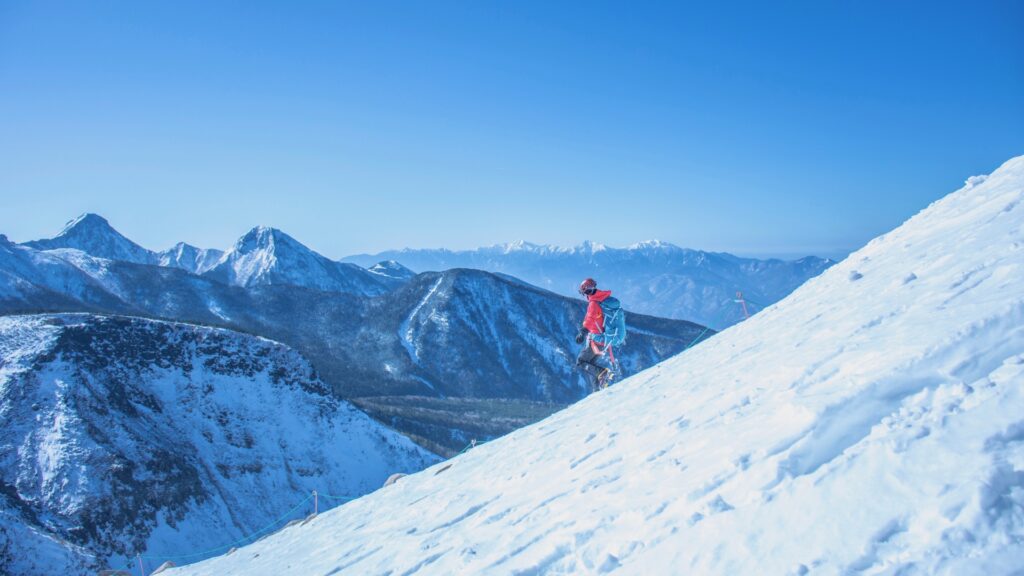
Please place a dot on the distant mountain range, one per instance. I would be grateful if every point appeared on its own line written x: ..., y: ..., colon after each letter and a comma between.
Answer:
x: 262, y: 257
x: 649, y: 277
x: 123, y: 436
x: 453, y: 335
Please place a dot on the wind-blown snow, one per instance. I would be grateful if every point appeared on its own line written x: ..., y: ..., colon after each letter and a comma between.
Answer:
x: 872, y: 422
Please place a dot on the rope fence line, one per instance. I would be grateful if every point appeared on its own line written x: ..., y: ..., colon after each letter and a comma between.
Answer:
x: 721, y: 311
x: 472, y: 444
x: 740, y: 299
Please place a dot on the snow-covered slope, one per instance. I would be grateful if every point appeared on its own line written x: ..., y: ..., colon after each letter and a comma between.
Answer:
x: 62, y: 279
x: 468, y: 333
x: 267, y: 256
x: 190, y: 258
x: 872, y: 422
x: 657, y: 277
x: 93, y: 235
x: 392, y: 269
x: 123, y: 436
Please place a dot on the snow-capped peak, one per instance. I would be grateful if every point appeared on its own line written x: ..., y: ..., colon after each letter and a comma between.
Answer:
x: 267, y: 255
x: 88, y: 223
x: 653, y: 245
x: 590, y: 247
x: 266, y: 238
x: 524, y: 246
x: 92, y: 234
x: 392, y: 269
x: 191, y: 258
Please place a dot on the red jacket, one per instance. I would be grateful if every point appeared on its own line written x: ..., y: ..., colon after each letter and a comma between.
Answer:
x: 594, y: 322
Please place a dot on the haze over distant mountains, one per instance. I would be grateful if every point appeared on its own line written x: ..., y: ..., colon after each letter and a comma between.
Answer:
x: 651, y: 277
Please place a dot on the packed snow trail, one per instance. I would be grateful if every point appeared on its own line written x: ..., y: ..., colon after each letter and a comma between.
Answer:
x: 872, y: 422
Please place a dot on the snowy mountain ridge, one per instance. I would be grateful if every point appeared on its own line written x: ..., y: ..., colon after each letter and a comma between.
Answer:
x: 124, y: 436
x: 871, y: 422
x: 266, y: 256
x: 93, y: 235
x: 190, y: 258
x: 262, y: 256
x: 658, y: 278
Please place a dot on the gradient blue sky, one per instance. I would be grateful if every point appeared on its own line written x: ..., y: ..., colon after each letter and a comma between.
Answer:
x: 760, y: 127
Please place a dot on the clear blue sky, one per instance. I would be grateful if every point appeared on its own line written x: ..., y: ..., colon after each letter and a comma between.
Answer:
x: 753, y: 127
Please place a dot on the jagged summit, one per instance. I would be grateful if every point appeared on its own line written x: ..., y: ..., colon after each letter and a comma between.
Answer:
x: 90, y: 223
x: 93, y: 234
x: 653, y: 245
x: 267, y: 238
x: 190, y: 258
x: 392, y: 269
x: 268, y: 256
x: 868, y: 423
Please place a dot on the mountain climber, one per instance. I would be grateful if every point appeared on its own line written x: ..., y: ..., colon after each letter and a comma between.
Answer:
x: 603, y: 327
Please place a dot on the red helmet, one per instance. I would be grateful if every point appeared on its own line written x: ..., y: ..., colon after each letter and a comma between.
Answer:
x: 588, y: 286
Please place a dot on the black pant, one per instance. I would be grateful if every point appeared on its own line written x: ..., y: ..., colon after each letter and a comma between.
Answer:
x: 587, y: 363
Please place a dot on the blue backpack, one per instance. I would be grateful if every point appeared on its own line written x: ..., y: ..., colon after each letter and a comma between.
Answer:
x: 614, y: 323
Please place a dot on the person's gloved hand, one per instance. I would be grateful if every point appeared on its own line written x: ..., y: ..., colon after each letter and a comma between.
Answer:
x: 581, y: 335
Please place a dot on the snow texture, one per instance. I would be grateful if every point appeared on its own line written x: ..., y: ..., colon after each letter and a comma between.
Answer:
x: 124, y: 436
x: 871, y: 425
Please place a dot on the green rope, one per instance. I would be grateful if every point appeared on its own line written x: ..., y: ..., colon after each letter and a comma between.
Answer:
x: 337, y: 497
x: 471, y: 444
x: 697, y: 339
x: 721, y: 310
x: 236, y: 542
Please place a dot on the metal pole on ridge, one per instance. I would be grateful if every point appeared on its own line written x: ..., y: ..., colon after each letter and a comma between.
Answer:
x: 739, y: 298
x: 316, y: 506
